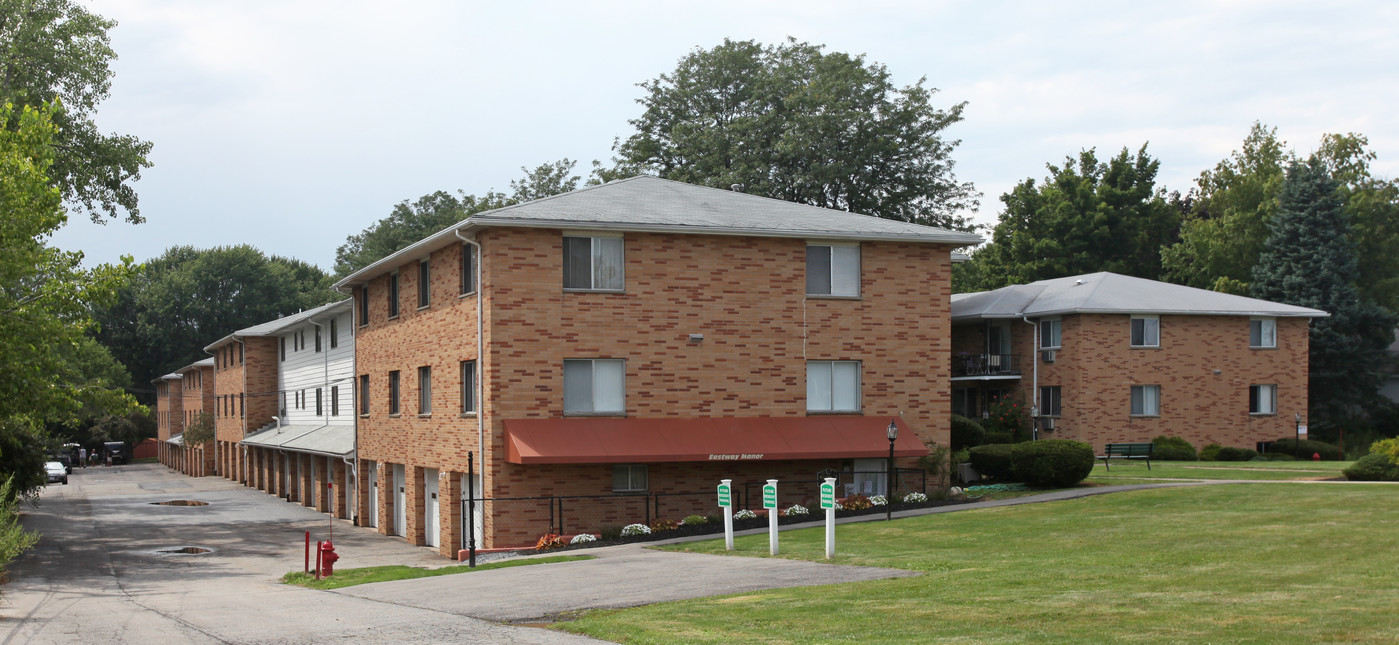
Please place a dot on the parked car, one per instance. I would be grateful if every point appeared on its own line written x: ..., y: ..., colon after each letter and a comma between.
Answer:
x: 116, y: 452
x: 56, y: 472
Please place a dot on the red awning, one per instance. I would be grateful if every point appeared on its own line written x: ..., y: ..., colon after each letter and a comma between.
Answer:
x: 607, y: 440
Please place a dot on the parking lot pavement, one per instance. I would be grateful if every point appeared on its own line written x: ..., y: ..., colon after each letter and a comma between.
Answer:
x: 101, y: 573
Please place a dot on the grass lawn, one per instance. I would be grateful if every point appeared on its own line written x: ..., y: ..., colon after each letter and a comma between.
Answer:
x: 366, y: 575
x: 1285, y: 563
x: 1255, y: 470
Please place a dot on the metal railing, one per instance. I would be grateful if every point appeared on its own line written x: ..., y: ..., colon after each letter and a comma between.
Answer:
x: 985, y: 365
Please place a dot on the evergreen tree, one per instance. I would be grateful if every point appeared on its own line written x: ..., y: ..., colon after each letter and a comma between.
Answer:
x: 1309, y: 260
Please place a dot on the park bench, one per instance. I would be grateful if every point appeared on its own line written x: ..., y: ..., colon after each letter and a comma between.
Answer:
x: 1126, y: 451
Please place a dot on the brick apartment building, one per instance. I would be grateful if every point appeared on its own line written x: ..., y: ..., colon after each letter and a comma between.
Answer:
x: 195, y: 399
x: 1109, y: 358
x: 643, y: 336
x: 170, y: 419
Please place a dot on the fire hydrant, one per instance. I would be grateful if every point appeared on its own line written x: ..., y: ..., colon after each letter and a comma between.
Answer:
x: 328, y: 558
x: 1316, y: 456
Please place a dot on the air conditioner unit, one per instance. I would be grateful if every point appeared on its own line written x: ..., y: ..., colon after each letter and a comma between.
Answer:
x: 1046, y: 423
x: 1047, y: 355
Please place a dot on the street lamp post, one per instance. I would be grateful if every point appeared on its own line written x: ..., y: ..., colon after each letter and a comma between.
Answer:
x: 893, y: 432
x: 1297, y: 442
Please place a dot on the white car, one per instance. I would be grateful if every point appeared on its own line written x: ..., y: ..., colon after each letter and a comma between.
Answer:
x: 56, y: 472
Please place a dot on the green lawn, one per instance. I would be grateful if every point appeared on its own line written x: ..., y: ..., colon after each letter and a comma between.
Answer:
x: 1256, y: 470
x: 1285, y: 563
x: 366, y: 575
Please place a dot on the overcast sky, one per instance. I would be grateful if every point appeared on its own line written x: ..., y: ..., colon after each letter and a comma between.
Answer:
x: 290, y: 125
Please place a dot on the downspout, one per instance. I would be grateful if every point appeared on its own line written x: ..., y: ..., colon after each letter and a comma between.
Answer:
x: 1035, y: 378
x: 243, y: 403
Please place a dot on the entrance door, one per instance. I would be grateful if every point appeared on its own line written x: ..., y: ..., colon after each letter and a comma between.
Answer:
x: 431, y: 531
x: 373, y: 494
x: 400, y: 500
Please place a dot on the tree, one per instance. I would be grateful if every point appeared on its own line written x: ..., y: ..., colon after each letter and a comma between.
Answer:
x: 795, y: 123
x: 56, y: 53
x: 413, y: 221
x: 46, y: 299
x: 187, y: 298
x: 1309, y: 260
x: 1087, y: 216
x: 1372, y: 205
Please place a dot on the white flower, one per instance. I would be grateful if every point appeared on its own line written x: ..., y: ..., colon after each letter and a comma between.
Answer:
x: 913, y: 498
x: 878, y: 500
x: 796, y: 509
x: 636, y: 529
x: 583, y: 537
x: 745, y: 514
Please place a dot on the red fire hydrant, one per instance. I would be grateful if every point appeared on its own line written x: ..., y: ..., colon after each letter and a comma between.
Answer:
x: 1316, y: 456
x: 328, y: 558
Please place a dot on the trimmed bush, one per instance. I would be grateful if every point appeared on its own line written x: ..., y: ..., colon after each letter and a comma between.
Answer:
x: 1172, y: 449
x: 1307, y: 447
x: 993, y: 460
x: 1052, y: 463
x: 694, y: 520
x: 1210, y: 452
x: 1230, y: 453
x: 966, y: 433
x: 998, y: 437
x: 1374, y: 467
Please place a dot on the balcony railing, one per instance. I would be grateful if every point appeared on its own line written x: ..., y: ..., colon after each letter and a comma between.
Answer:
x: 985, y: 365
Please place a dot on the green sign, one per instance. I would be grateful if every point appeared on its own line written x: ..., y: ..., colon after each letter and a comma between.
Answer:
x: 770, y: 496
x: 725, y: 499
x: 828, y: 495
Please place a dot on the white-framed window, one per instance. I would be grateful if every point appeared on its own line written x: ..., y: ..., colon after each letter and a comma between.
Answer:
x: 335, y: 400
x: 363, y: 305
x: 1262, y: 333
x: 1146, y: 331
x: 425, y: 390
x: 593, y: 263
x: 1051, y: 401
x: 393, y: 295
x: 1050, y: 333
x: 833, y: 270
x: 594, y: 386
x: 468, y: 269
x: 1262, y: 399
x: 424, y: 283
x: 334, y: 333
x: 1146, y: 400
x: 833, y: 386
x: 364, y: 394
x: 393, y: 393
x: 629, y: 478
x: 468, y: 387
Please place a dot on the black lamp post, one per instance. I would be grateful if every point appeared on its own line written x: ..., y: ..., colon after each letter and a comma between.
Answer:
x: 1297, y: 443
x: 893, y: 432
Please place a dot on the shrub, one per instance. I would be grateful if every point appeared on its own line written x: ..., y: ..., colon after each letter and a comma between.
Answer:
x: 993, y: 460
x: 998, y: 437
x: 1172, y: 449
x: 879, y: 500
x: 1230, y: 453
x: 582, y: 538
x: 855, y: 502
x: 694, y: 520
x: 796, y: 510
x: 635, y: 529
x: 915, y: 498
x: 610, y: 532
x: 663, y: 525
x: 744, y: 514
x: 1009, y: 416
x: 1210, y: 452
x: 550, y: 541
x: 1306, y: 448
x: 966, y: 432
x: 1374, y: 467
x: 1052, y: 463
x: 1387, y: 447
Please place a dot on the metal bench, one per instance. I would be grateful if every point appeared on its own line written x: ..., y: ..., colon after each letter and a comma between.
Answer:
x: 1126, y: 451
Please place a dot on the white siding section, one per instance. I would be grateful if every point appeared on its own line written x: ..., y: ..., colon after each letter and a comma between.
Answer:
x: 305, y: 369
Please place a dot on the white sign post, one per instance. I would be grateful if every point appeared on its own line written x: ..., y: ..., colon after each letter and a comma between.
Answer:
x: 770, y: 503
x: 828, y: 502
x: 726, y: 503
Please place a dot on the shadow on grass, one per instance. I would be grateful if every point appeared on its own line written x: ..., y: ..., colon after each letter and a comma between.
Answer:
x: 366, y: 575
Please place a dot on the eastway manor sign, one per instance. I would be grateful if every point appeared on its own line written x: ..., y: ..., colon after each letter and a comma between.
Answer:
x: 738, y: 457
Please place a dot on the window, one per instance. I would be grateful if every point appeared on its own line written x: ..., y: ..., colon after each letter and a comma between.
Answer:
x: 468, y: 269
x: 393, y: 295
x: 240, y: 353
x: 334, y: 333
x: 1262, y: 333
x: 832, y: 270
x: 284, y: 346
x: 594, y: 386
x: 363, y: 306
x: 1050, y: 333
x: 424, y: 284
x: 1146, y: 331
x: 468, y: 387
x: 318, y: 339
x: 364, y: 394
x: 1262, y: 399
x: 393, y: 393
x: 282, y: 404
x: 424, y: 390
x: 1146, y: 400
x: 241, y: 411
x: 593, y: 263
x: 319, y: 408
x: 1051, y: 401
x: 335, y: 400
x: 628, y: 478
x: 833, y: 386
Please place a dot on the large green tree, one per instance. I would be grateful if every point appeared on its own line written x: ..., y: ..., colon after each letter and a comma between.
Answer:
x: 413, y: 221
x: 797, y: 123
x: 49, y: 369
x: 57, y: 53
x: 1086, y: 216
x: 1309, y: 259
x: 187, y: 298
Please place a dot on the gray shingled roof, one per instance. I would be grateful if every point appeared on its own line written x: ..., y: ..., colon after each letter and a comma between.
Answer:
x: 651, y: 204
x: 336, y: 440
x: 272, y: 327
x: 1112, y: 293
